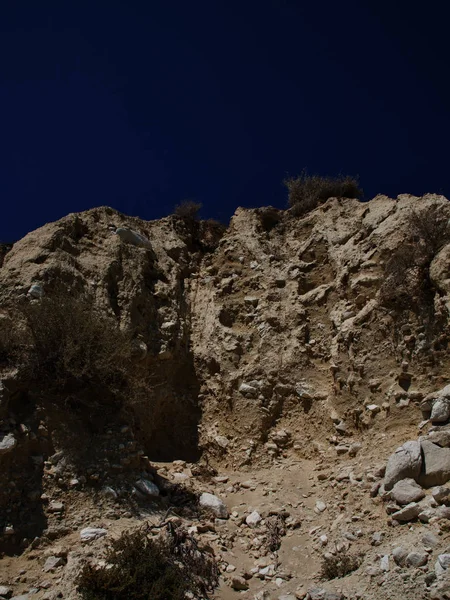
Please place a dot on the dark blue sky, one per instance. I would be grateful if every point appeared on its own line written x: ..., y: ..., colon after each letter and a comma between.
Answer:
x: 138, y: 105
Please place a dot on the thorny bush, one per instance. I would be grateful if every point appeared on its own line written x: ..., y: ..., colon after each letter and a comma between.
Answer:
x: 139, y: 567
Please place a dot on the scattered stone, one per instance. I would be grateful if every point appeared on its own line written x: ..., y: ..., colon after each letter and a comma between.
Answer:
x: 36, y: 291
x: 89, y: 534
x: 384, y: 563
x: 429, y: 540
x: 253, y: 519
x: 407, y: 491
x: 354, y: 448
x: 55, y: 507
x: 5, y: 591
x: 444, y: 560
x: 248, y: 390
x: 377, y: 538
x: 320, y: 506
x: 215, y: 504
x: 441, y: 437
x: 239, y: 583
x: 441, y: 494
x: 407, y: 513
x: 341, y: 427
x: 406, y: 462
x: 416, y: 559
x: 399, y: 555
x: 146, y: 487
x: 52, y: 563
x: 221, y: 479
x: 109, y: 492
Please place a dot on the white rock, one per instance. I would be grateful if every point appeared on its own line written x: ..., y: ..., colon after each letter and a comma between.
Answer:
x: 320, y: 506
x: 88, y: 534
x: 215, y: 504
x: 268, y: 571
x: 7, y: 443
x: 36, y: 291
x: 5, y: 591
x: 384, y: 563
x: 253, y: 518
x: 133, y: 237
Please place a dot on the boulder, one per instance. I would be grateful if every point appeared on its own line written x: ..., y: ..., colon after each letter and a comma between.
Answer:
x: 438, y: 404
x: 441, y: 437
x: 214, y: 504
x: 407, y: 513
x: 436, y: 465
x: 406, y: 462
x: 407, y: 491
x: 440, y: 411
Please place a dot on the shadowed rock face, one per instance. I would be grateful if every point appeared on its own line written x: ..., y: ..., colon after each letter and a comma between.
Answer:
x: 4, y: 249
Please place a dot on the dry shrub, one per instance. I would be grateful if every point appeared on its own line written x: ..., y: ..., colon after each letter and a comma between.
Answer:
x: 276, y: 529
x: 77, y: 351
x: 210, y: 233
x: 306, y: 192
x: 339, y: 565
x: 188, y: 209
x: 141, y: 568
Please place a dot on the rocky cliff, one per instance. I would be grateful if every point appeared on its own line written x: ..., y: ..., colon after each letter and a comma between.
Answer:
x: 277, y: 339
